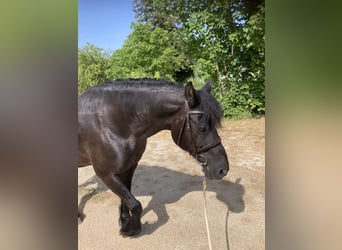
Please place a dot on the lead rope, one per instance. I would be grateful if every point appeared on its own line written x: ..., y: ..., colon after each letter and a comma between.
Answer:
x: 205, y: 211
x: 206, y: 215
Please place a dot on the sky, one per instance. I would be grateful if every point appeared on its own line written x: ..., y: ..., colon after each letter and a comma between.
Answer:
x: 104, y: 23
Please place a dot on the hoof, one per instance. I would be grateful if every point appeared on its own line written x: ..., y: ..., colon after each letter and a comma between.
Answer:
x: 129, y: 228
x: 129, y: 233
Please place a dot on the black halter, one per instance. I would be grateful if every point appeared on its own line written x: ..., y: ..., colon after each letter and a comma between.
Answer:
x: 195, y: 150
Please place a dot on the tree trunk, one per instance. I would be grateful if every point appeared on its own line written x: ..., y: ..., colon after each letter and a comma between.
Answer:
x: 219, y: 83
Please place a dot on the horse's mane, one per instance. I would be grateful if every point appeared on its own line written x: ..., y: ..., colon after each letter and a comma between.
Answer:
x: 208, y: 104
x: 149, y: 84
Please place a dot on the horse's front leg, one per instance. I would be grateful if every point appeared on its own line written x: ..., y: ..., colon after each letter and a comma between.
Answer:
x: 131, y: 209
x: 125, y: 216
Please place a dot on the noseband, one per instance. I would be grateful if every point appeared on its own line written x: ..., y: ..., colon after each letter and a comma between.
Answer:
x: 195, y: 150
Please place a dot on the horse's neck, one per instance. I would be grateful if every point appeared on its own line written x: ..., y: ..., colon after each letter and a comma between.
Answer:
x: 161, y: 115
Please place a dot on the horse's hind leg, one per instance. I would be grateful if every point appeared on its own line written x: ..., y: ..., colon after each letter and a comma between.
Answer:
x: 130, y: 206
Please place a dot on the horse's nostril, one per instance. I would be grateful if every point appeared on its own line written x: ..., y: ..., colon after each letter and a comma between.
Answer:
x: 222, y: 172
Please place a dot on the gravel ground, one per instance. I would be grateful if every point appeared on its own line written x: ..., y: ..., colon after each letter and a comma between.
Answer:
x: 168, y: 183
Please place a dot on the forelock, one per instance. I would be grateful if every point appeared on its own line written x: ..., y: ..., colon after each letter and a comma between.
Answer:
x: 211, y: 108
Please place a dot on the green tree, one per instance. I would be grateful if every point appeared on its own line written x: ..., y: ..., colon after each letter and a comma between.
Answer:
x: 93, y: 66
x: 223, y: 40
x: 148, y: 52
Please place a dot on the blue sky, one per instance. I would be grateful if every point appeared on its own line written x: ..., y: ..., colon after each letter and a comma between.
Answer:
x: 104, y: 23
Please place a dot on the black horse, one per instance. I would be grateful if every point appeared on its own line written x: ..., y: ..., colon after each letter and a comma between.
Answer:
x: 115, y: 119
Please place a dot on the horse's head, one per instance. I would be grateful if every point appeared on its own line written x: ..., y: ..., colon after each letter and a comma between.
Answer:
x: 195, y: 130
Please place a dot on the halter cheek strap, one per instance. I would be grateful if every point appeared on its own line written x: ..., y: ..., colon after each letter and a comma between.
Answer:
x: 195, y: 151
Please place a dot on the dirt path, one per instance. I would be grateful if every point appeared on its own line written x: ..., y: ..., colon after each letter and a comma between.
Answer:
x: 168, y: 183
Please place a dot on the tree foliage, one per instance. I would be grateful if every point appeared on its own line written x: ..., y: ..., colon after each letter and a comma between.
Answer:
x: 224, y: 40
x: 93, y: 66
x: 148, y: 52
x: 192, y: 40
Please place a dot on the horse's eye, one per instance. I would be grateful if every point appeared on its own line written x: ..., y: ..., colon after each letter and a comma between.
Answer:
x: 203, y: 129
x: 203, y: 125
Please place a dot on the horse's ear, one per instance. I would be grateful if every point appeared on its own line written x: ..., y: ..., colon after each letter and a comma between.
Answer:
x: 190, y: 95
x: 207, y: 86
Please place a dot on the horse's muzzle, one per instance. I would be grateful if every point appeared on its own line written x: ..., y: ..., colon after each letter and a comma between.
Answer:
x: 221, y: 173
x: 217, y: 174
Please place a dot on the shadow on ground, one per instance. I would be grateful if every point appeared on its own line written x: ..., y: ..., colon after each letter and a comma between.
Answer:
x: 167, y: 186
